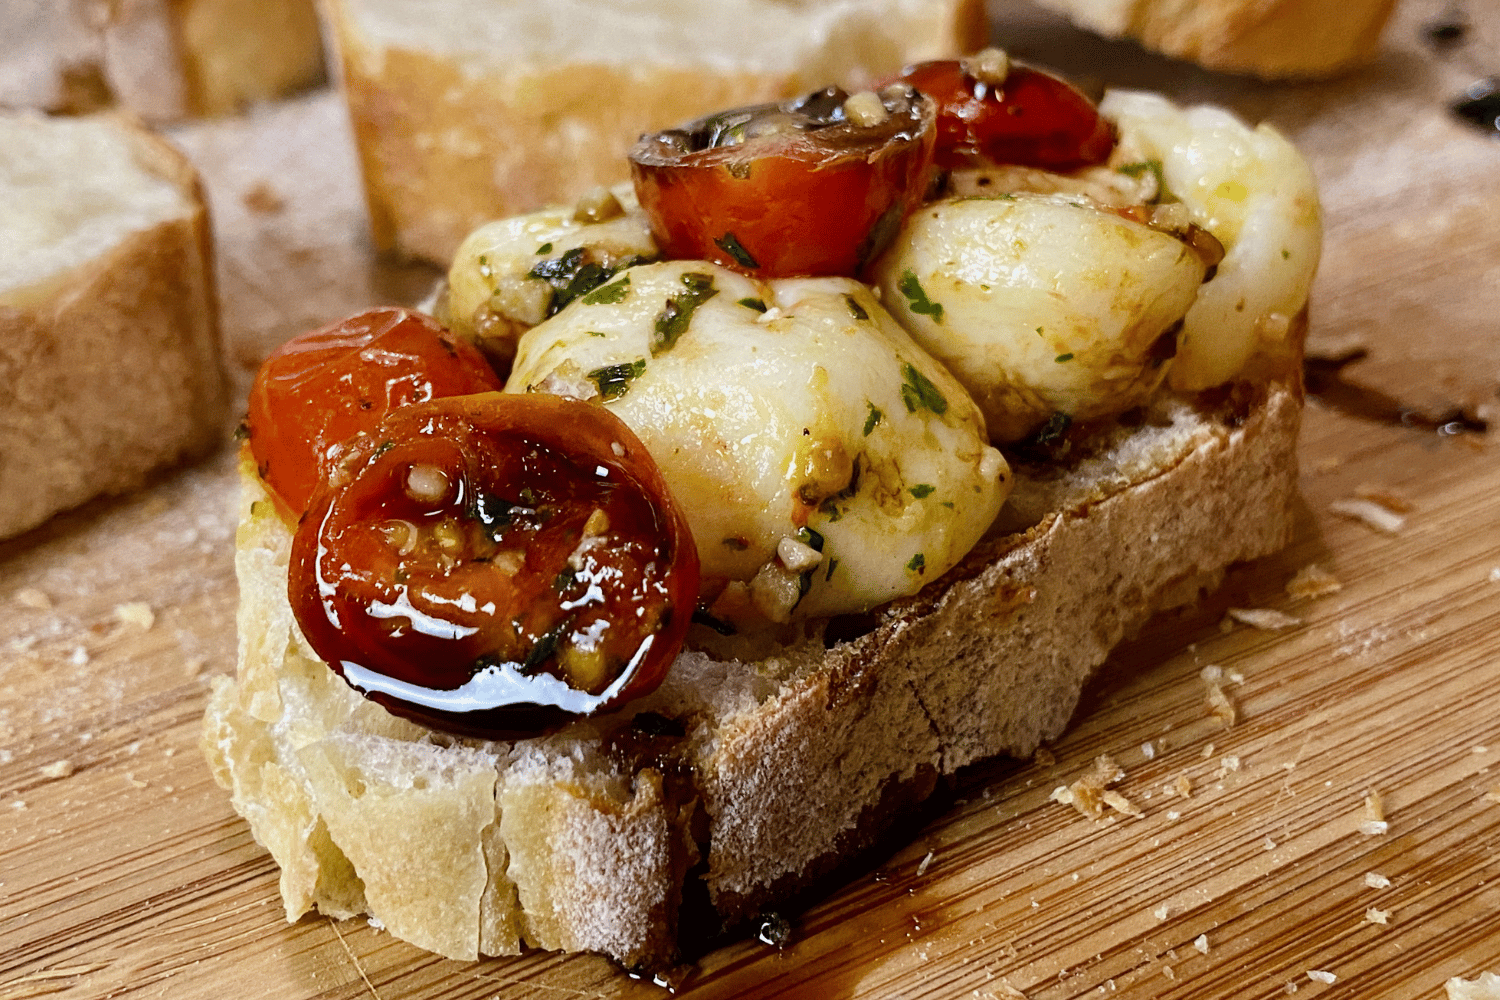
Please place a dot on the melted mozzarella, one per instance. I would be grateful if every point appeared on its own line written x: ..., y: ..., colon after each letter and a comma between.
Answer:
x: 818, y: 413
x: 1256, y: 194
x: 1041, y: 304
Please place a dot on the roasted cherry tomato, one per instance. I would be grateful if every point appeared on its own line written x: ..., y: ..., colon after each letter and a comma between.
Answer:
x: 816, y: 186
x: 495, y: 564
x: 990, y: 111
x: 317, y: 391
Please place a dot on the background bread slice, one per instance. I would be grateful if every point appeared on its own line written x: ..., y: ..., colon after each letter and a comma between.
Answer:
x: 163, y: 59
x: 1265, y: 38
x: 109, y: 349
x: 753, y: 776
x: 471, y: 110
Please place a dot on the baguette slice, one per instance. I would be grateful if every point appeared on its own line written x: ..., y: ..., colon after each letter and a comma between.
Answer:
x: 163, y: 59
x: 739, y: 780
x: 1273, y: 39
x: 471, y: 110
x: 109, y: 348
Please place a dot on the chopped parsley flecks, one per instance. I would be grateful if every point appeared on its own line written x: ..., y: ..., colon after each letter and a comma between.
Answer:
x: 917, y: 390
x: 597, y: 333
x: 614, y: 380
x: 916, y: 296
x: 1063, y: 357
x: 1286, y: 254
x: 918, y: 563
x: 830, y: 509
x: 564, y: 580
x: 873, y: 418
x: 810, y: 538
x: 855, y: 309
x: 755, y: 304
x: 570, y: 276
x: 672, y: 322
x: 833, y: 564
x: 922, y: 490
x: 609, y: 295
x: 731, y: 245
x: 546, y: 646
x: 1142, y: 166
x: 544, y: 248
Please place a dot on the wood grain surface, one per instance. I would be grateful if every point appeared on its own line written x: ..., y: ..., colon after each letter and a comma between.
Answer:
x: 124, y: 873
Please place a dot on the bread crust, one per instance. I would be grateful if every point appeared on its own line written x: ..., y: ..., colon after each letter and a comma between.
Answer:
x: 1267, y: 38
x: 771, y: 771
x: 163, y: 59
x: 447, y: 143
x: 111, y: 369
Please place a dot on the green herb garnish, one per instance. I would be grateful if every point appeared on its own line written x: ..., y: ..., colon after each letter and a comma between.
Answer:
x: 755, y: 304
x: 1063, y: 357
x: 917, y: 296
x: 614, y: 380
x: 855, y: 308
x: 731, y: 245
x: 610, y: 294
x: 872, y: 418
x: 672, y: 322
x: 918, y: 563
x: 917, y: 390
x: 922, y: 490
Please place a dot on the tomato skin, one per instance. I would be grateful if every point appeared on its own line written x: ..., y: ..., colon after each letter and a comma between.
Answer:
x: 318, y: 390
x: 785, y: 205
x: 471, y: 602
x: 1033, y: 119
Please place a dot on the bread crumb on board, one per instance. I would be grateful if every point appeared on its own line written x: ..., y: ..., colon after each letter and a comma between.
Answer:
x: 1486, y: 986
x: 1377, y: 916
x: 1221, y: 706
x: 1322, y: 976
x: 1375, y: 880
x: 57, y: 769
x: 1370, y: 513
x: 1312, y: 581
x: 1201, y: 943
x: 1265, y: 619
x: 1089, y: 795
x: 136, y: 613
x: 1373, y: 824
x: 1385, y: 497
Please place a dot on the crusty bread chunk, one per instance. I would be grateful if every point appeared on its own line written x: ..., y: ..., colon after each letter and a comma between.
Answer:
x: 752, y: 774
x: 1265, y: 38
x: 109, y: 349
x: 471, y: 110
x: 162, y: 60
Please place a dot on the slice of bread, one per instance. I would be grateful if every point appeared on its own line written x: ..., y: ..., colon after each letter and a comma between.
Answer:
x: 1266, y: 38
x: 740, y: 780
x: 109, y: 349
x: 163, y: 59
x: 471, y: 110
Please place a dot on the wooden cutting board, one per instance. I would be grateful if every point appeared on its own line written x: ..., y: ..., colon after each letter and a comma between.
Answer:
x: 123, y: 871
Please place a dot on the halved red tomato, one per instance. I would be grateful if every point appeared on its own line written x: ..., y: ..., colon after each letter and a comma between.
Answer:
x: 816, y: 186
x: 318, y: 390
x: 495, y: 564
x: 990, y: 111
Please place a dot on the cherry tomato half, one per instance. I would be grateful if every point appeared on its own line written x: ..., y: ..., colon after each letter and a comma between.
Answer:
x: 1030, y: 118
x: 495, y: 564
x: 801, y: 188
x: 317, y: 391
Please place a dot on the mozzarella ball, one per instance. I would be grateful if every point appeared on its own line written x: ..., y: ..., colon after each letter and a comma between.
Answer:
x: 1255, y: 193
x: 824, y: 460
x: 509, y: 275
x: 1041, y: 305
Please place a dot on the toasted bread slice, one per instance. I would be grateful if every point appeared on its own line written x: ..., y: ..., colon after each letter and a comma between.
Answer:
x: 1266, y: 38
x: 162, y: 60
x: 109, y: 349
x: 469, y: 111
x: 750, y: 776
